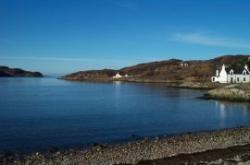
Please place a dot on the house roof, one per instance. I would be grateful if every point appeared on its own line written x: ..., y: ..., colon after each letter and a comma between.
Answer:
x: 237, y: 71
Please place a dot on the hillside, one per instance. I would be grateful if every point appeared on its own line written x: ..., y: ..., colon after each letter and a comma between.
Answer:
x: 15, y: 72
x: 172, y: 70
x: 93, y: 75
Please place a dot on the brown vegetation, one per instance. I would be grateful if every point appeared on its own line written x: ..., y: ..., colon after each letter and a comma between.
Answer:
x: 173, y: 70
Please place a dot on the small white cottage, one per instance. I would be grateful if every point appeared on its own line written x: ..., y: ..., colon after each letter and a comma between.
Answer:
x: 117, y: 76
x: 231, y: 77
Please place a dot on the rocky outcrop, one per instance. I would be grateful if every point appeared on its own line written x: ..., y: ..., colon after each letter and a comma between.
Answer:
x: 234, y: 92
x: 173, y: 70
x: 15, y: 72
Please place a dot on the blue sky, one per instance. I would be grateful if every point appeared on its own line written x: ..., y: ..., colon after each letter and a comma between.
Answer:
x: 62, y: 36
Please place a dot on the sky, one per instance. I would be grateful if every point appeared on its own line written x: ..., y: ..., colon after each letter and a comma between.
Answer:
x: 64, y: 36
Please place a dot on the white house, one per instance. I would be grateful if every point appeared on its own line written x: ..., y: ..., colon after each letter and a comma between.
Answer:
x: 231, y: 77
x: 117, y: 76
x: 184, y: 64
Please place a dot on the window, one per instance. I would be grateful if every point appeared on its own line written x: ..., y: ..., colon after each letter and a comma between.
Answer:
x: 231, y: 72
x: 244, y: 72
x: 244, y: 79
x: 213, y: 79
x: 238, y: 79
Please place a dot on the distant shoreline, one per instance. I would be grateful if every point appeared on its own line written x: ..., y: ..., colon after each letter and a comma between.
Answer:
x: 134, y: 152
x: 175, y: 84
x: 17, y: 72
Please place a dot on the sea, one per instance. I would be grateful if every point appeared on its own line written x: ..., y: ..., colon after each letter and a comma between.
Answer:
x: 40, y: 114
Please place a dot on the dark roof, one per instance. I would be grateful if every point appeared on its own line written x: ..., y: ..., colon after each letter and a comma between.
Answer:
x: 237, y: 71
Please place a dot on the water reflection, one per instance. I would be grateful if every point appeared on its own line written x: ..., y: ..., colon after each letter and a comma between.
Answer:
x: 117, y: 92
x: 229, y: 110
x: 228, y: 107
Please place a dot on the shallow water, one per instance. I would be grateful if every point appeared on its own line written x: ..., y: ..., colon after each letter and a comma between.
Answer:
x: 40, y: 113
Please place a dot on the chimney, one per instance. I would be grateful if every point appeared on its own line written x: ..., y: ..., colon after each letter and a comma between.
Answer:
x: 217, y: 73
x: 246, y: 67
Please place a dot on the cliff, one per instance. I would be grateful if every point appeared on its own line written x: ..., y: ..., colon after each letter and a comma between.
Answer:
x: 173, y: 70
x: 15, y: 72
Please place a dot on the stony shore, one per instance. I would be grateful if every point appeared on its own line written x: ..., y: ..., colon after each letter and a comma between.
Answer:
x: 233, y: 92
x: 238, y: 155
x: 175, y: 84
x: 135, y: 152
x: 196, y: 85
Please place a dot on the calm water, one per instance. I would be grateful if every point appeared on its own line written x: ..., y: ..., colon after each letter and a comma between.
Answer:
x: 41, y: 113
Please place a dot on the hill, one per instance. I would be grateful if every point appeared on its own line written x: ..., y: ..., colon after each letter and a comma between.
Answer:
x: 173, y: 70
x: 16, y: 72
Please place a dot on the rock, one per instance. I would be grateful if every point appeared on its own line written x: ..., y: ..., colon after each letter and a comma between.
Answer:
x: 236, y: 92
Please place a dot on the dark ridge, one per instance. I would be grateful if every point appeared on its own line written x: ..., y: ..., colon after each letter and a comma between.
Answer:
x: 17, y: 72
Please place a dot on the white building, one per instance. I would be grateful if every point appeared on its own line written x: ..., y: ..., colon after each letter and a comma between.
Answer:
x: 231, y: 77
x: 183, y: 64
x: 117, y: 76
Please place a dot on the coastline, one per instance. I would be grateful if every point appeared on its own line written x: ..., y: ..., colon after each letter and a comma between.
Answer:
x: 134, y: 152
x: 231, y: 92
x: 175, y: 84
x: 232, y: 155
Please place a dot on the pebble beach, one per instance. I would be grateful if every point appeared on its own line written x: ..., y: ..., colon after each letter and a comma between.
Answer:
x: 137, y: 151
